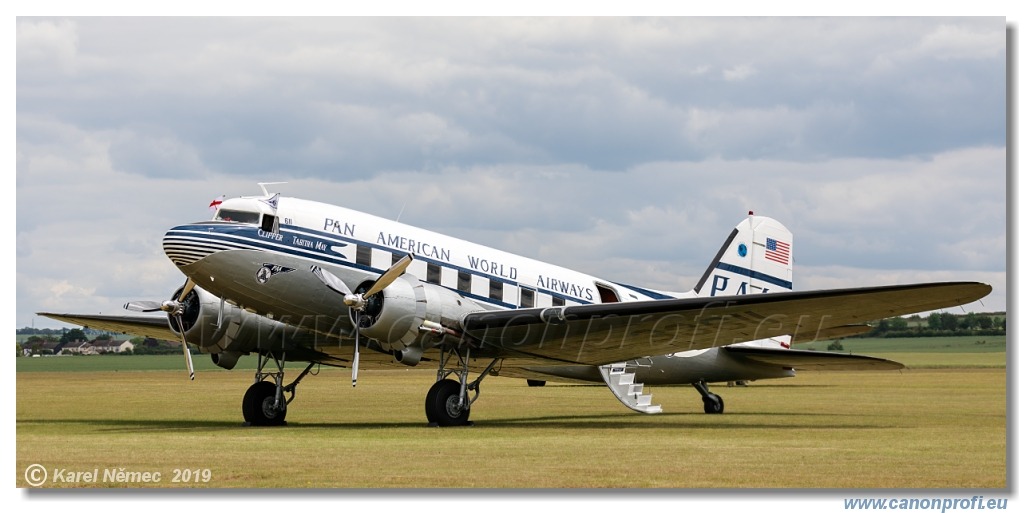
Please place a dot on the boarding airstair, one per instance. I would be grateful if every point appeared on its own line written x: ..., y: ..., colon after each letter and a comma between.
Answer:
x: 620, y: 380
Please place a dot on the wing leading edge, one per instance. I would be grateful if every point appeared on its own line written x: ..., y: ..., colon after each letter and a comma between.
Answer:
x: 606, y: 333
x: 153, y: 327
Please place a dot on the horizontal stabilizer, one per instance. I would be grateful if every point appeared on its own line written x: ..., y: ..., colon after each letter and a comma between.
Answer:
x: 814, y: 360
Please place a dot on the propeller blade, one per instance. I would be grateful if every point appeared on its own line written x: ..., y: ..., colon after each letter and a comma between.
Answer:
x: 189, y: 285
x: 144, y: 306
x: 355, y: 363
x: 184, y: 348
x: 355, y: 356
x: 333, y: 282
x: 389, y: 276
x: 188, y: 361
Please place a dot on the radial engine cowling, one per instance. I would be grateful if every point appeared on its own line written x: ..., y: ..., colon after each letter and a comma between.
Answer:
x: 394, y: 316
x: 228, y: 331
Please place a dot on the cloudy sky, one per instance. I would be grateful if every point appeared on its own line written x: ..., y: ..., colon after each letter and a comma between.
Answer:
x: 624, y: 148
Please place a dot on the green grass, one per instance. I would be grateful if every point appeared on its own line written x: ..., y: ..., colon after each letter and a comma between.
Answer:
x: 989, y: 344
x: 929, y: 428
x: 918, y: 360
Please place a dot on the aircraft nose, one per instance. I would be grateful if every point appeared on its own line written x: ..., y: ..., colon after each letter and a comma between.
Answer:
x: 183, y: 245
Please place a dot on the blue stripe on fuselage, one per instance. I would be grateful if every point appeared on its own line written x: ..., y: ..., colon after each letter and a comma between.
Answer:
x: 250, y: 237
x: 649, y: 293
x: 756, y: 275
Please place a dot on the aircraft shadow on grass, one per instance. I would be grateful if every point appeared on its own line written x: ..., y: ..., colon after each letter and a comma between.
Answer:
x: 757, y: 420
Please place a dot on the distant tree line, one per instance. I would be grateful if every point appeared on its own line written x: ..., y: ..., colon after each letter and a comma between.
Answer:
x: 45, y: 332
x: 146, y: 345
x: 937, y: 324
x: 60, y: 336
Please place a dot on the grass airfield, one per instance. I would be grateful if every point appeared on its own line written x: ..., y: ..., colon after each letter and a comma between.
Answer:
x: 939, y: 424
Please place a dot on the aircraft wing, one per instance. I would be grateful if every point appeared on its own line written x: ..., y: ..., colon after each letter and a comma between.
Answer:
x: 613, y: 332
x: 151, y: 326
x: 813, y: 360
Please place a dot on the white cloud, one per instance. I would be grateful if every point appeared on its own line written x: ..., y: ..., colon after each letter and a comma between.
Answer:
x: 738, y: 72
x: 46, y: 42
x: 950, y: 41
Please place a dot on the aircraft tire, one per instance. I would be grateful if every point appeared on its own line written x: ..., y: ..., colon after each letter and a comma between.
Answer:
x: 535, y: 382
x: 442, y: 403
x: 254, y: 412
x: 714, y: 404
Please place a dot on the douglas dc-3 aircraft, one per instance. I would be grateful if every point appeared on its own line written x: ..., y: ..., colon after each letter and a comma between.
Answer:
x: 293, y: 280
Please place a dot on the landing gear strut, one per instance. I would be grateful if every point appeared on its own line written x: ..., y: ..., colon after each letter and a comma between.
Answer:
x: 448, y: 400
x: 264, y: 403
x: 713, y: 403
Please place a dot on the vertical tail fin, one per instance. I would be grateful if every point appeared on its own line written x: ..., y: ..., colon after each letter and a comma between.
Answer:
x: 756, y: 258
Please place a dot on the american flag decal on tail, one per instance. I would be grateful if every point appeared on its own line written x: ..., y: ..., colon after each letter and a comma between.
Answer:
x: 777, y: 251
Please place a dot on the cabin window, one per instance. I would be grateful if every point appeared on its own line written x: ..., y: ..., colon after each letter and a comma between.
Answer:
x: 465, y: 282
x: 433, y: 273
x: 526, y: 298
x: 238, y: 216
x: 497, y: 290
x: 557, y: 301
x: 364, y: 255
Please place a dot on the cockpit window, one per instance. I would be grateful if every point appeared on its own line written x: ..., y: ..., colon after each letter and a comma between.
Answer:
x: 238, y: 216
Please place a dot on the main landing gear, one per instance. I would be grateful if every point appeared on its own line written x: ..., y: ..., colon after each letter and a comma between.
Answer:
x: 448, y: 400
x: 264, y: 403
x: 713, y: 403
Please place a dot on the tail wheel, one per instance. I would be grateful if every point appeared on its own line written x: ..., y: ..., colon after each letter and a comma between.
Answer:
x: 714, y: 404
x: 442, y: 404
x: 258, y: 405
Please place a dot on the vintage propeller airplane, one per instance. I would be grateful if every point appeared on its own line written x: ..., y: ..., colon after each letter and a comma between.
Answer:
x: 288, y: 279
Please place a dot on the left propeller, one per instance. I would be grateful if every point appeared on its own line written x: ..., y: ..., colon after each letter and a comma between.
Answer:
x: 175, y: 309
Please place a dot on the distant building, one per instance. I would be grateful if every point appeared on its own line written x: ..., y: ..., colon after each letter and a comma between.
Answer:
x: 112, y: 346
x: 45, y: 347
x: 77, y: 347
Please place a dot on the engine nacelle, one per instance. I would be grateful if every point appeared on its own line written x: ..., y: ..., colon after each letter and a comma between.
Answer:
x: 227, y: 331
x: 394, y: 316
